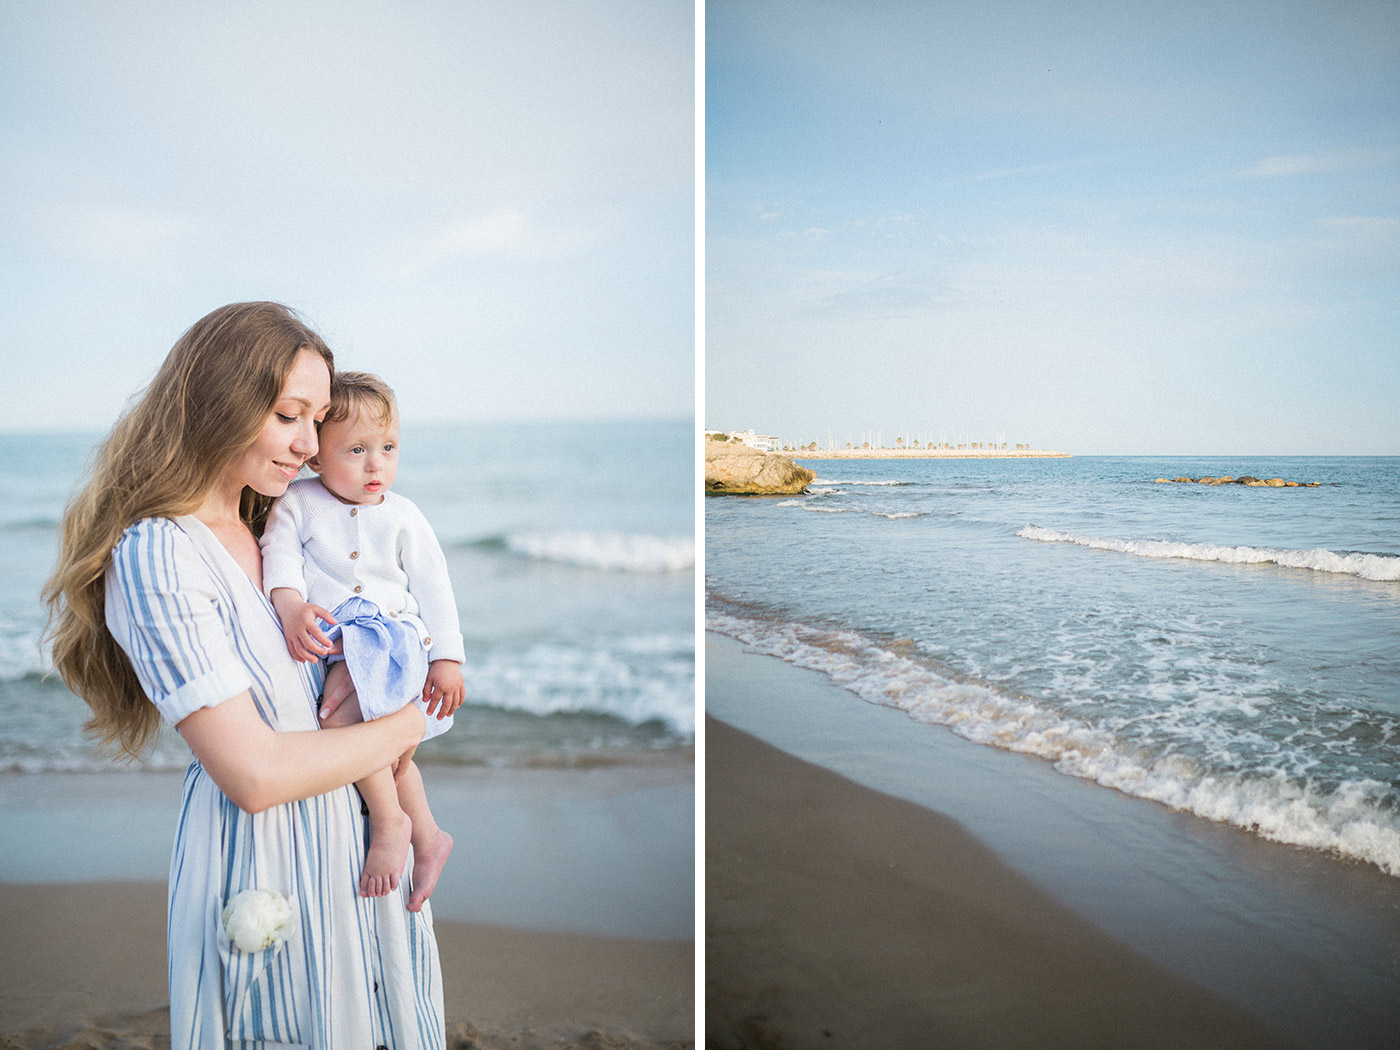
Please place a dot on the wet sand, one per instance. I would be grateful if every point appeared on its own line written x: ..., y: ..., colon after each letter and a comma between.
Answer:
x: 564, y: 917
x: 84, y: 965
x: 840, y: 917
x: 1305, y: 940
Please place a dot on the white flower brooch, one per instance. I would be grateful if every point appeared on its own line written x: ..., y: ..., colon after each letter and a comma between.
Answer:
x: 257, y: 919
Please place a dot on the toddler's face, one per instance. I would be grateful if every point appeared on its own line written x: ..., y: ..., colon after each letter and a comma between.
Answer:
x: 359, y: 457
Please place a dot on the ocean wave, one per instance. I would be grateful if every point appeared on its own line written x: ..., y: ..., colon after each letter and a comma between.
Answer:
x: 637, y: 680
x: 92, y: 761
x: 1355, y: 818
x: 873, y: 484
x: 643, y: 684
x: 22, y: 653
x: 805, y: 503
x: 610, y: 551
x: 40, y: 523
x: 1379, y: 567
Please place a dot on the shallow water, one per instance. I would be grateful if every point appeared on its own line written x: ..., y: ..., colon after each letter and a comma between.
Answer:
x: 1233, y: 652
x: 1305, y: 940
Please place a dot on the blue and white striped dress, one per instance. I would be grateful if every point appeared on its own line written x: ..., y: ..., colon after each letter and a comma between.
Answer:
x: 358, y: 972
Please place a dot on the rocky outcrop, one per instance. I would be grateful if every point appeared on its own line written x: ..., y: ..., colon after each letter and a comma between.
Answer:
x: 735, y: 469
x: 1246, y: 479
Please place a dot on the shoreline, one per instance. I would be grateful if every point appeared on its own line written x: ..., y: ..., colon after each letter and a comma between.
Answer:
x: 924, y: 453
x: 605, y: 851
x: 1302, y: 939
x: 842, y: 917
x: 565, y: 917
x: 101, y: 982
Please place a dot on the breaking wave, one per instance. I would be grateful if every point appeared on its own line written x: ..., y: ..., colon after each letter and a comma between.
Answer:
x: 1366, y: 566
x: 1356, y: 818
x: 868, y: 484
x: 609, y: 551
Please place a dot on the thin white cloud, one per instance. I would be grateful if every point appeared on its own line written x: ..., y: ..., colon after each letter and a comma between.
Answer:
x: 1377, y: 226
x: 501, y: 234
x: 811, y: 233
x: 120, y: 236
x: 1313, y: 163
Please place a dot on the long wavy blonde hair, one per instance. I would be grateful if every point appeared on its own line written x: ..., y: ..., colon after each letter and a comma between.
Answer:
x: 204, y: 408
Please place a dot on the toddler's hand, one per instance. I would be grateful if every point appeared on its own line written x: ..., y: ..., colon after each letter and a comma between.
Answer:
x: 305, y: 639
x: 444, y: 690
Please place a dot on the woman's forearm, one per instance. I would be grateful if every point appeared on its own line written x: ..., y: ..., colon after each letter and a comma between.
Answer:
x: 316, y: 761
x: 257, y: 767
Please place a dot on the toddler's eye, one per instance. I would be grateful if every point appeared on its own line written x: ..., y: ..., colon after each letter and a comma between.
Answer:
x: 389, y: 448
x: 357, y: 450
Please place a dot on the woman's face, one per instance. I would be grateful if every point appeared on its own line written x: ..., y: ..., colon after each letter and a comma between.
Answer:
x: 288, y: 438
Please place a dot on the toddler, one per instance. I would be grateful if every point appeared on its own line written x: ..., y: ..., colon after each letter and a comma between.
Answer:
x: 342, y: 548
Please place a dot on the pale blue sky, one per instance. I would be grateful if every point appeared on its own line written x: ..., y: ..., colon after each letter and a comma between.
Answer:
x: 490, y: 203
x: 1155, y: 228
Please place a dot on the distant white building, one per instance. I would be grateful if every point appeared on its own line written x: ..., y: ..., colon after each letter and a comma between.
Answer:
x: 762, y: 442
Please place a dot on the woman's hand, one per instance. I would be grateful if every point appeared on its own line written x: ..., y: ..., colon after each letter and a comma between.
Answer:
x: 337, y: 689
x: 400, y: 766
x: 444, y: 690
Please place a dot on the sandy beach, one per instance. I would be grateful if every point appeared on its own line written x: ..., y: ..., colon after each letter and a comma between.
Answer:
x: 100, y: 982
x: 899, y: 880
x: 927, y: 453
x: 564, y: 919
x: 841, y: 917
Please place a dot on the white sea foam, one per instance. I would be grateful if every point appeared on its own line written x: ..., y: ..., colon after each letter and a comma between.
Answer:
x: 1356, y: 818
x: 818, y: 509
x: 634, y: 679
x: 21, y: 652
x: 613, y: 551
x: 1380, y: 567
x: 808, y: 504
x: 72, y: 752
x: 873, y: 484
x: 813, y: 501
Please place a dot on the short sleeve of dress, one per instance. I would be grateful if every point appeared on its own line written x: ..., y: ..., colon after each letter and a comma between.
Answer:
x: 165, y: 609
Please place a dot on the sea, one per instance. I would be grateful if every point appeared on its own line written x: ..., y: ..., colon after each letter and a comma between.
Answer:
x: 1231, y: 652
x: 571, y: 549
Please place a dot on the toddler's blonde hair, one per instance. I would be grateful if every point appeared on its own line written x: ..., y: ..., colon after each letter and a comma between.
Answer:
x: 363, y: 392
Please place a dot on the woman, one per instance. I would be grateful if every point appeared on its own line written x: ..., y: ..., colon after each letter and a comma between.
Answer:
x: 158, y: 612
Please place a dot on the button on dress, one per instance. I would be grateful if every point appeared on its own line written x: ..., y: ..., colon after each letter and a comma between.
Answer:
x: 356, y: 971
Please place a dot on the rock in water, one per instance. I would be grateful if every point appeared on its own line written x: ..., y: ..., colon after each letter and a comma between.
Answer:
x: 735, y: 469
x: 1247, y: 479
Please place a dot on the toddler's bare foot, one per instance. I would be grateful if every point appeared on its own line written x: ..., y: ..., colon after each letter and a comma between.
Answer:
x: 427, y: 866
x: 388, y: 853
